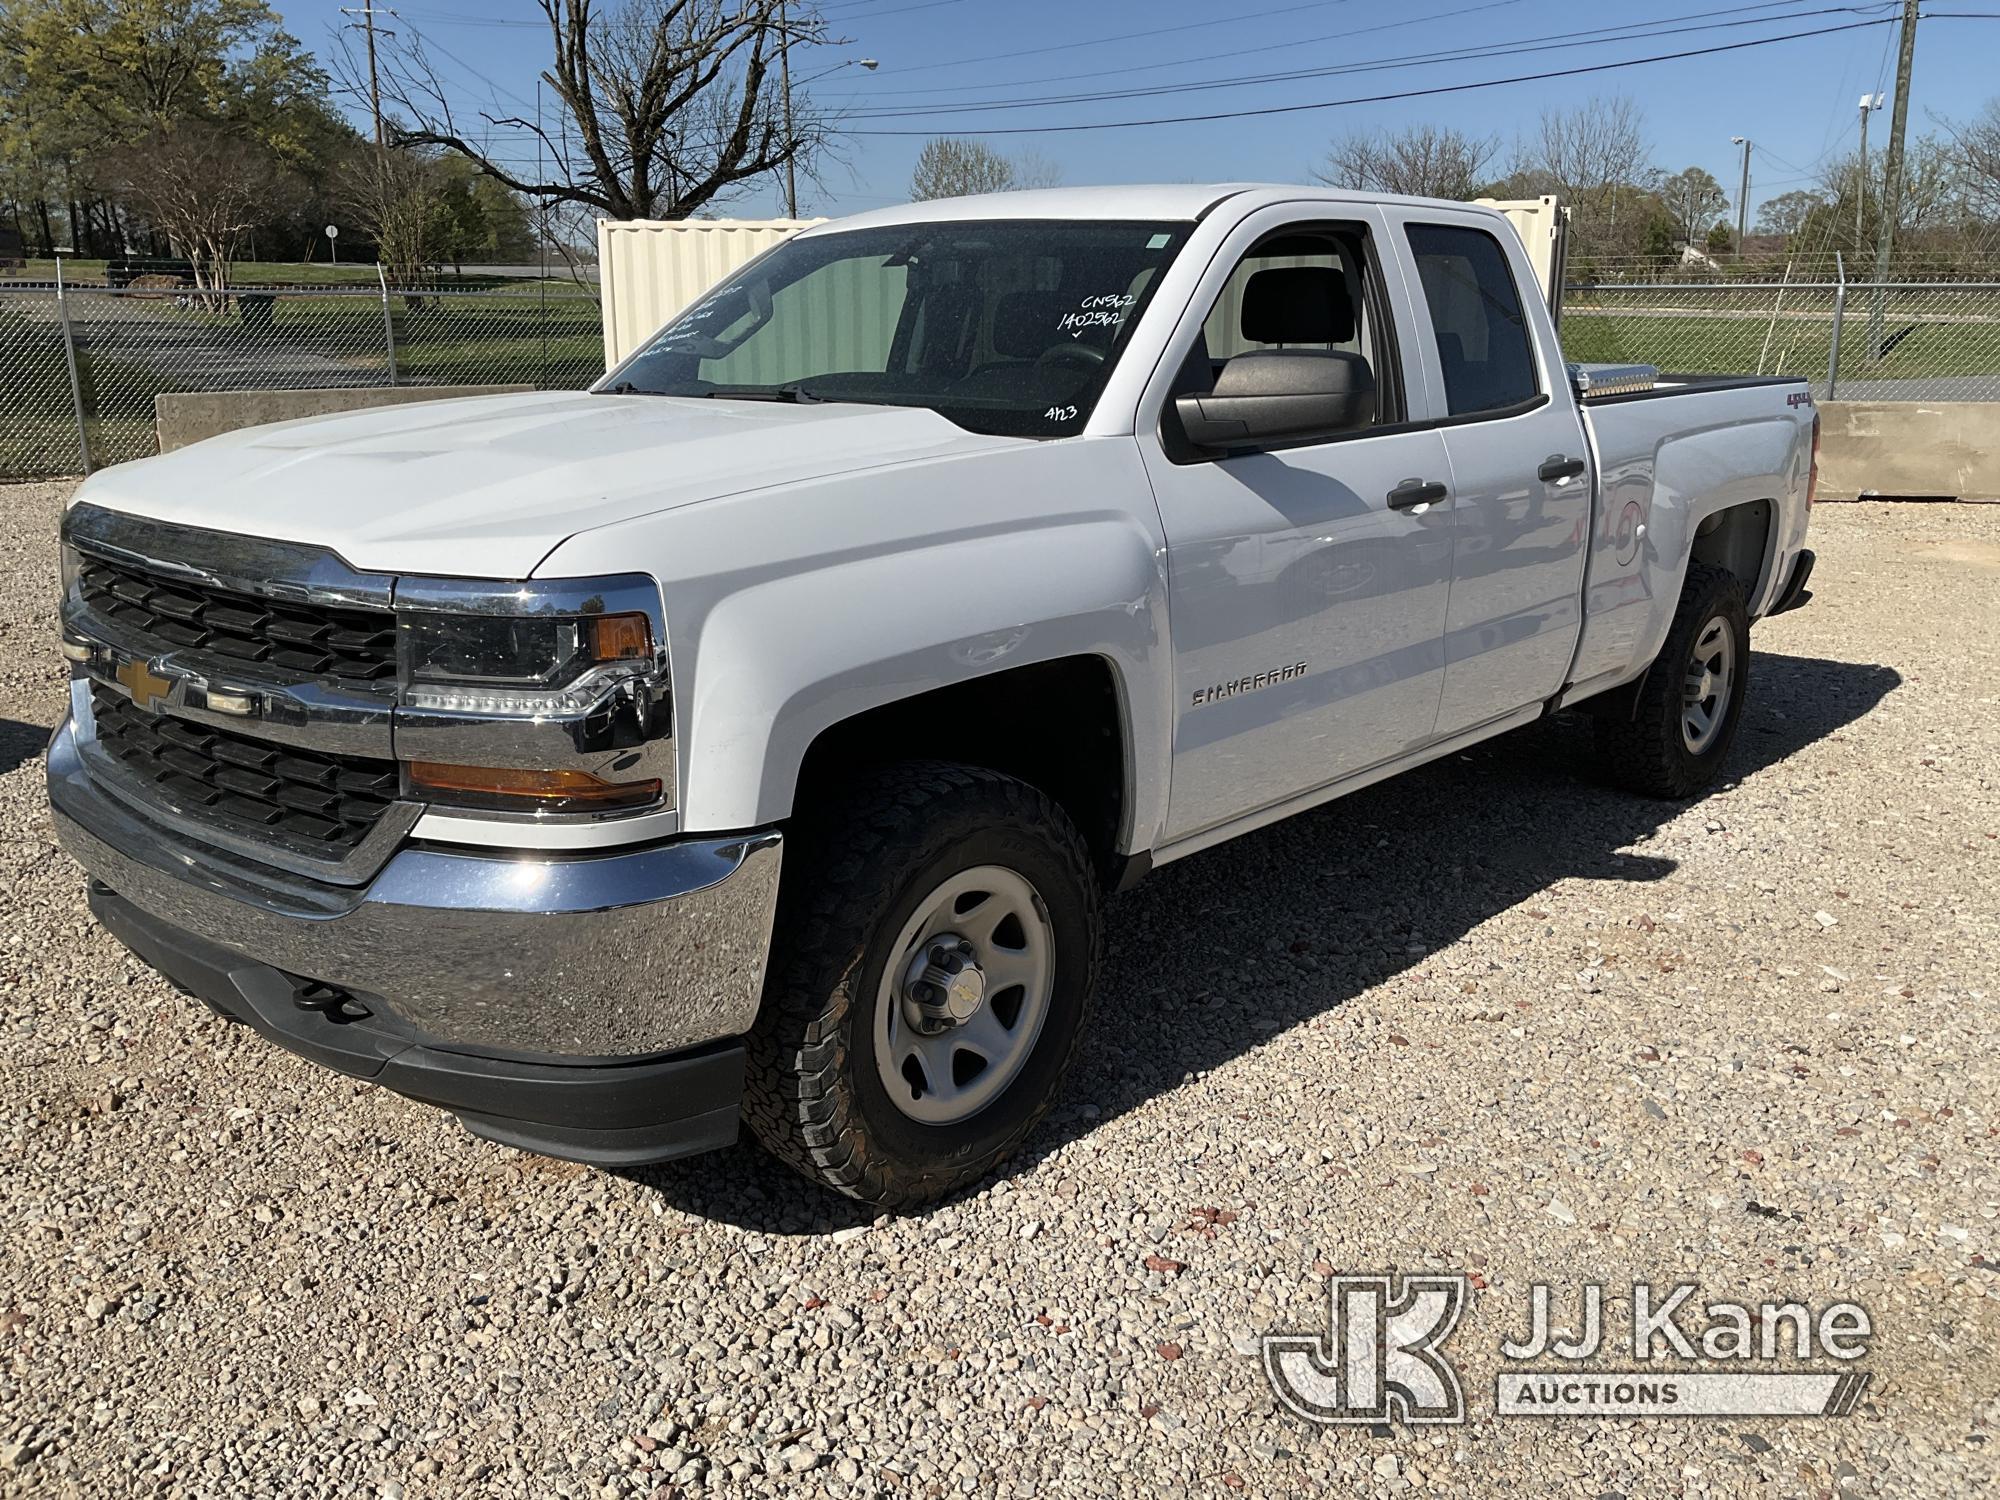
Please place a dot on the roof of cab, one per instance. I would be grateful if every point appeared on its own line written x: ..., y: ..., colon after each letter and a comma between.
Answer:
x: 1178, y: 201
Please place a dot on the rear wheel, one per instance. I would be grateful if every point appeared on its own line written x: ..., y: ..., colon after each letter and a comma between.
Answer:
x: 937, y: 946
x: 1684, y: 717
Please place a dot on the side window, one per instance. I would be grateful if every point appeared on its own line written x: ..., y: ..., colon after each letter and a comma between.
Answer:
x: 1304, y: 289
x: 1482, y: 332
x: 1244, y: 320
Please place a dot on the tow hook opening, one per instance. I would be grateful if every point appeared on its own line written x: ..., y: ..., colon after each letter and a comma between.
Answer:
x: 337, y: 1005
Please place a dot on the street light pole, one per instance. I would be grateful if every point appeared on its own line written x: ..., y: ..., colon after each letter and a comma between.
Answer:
x: 367, y: 14
x: 1869, y: 104
x: 785, y: 72
x: 1742, y: 194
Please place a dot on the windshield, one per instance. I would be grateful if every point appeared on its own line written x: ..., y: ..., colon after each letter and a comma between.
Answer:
x: 1008, y: 327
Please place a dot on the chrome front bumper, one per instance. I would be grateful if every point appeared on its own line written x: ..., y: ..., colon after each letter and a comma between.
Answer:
x: 571, y: 959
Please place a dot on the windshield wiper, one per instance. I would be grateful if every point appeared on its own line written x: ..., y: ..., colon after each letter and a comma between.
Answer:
x: 791, y: 393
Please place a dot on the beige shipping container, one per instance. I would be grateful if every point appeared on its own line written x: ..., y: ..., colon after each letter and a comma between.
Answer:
x: 1543, y: 225
x: 649, y: 269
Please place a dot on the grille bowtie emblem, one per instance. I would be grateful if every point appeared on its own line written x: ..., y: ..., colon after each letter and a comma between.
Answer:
x: 147, y: 690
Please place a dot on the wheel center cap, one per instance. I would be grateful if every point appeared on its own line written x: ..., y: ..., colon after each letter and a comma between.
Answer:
x: 944, y: 985
x: 965, y: 994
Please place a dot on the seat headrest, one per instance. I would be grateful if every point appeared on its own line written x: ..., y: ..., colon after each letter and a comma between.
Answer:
x: 1025, y: 324
x: 1298, y: 305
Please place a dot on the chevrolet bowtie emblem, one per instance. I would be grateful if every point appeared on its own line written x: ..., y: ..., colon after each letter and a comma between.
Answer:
x: 148, y: 691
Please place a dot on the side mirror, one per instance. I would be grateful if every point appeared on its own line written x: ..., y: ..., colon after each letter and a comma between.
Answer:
x: 1279, y: 396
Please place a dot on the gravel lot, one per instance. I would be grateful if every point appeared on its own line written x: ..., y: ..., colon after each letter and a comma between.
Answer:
x: 1489, y: 1017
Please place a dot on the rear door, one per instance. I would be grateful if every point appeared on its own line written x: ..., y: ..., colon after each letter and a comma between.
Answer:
x: 1307, y: 583
x: 1519, y: 465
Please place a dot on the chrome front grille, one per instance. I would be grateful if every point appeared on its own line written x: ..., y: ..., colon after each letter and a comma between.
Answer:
x: 254, y: 787
x: 348, y: 645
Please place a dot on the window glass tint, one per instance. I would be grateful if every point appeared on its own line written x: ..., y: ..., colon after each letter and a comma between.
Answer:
x: 1000, y: 326
x: 1482, y: 332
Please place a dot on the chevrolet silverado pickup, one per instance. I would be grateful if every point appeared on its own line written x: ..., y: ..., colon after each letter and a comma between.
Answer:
x: 757, y: 734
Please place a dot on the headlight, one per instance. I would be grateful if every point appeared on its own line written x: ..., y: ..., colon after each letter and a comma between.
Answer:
x: 540, y: 665
x: 548, y: 697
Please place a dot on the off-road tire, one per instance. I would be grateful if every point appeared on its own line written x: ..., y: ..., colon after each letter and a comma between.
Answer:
x: 1645, y: 751
x: 812, y: 1092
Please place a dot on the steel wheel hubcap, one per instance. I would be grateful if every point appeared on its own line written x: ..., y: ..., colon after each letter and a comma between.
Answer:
x: 964, y: 995
x: 1711, y: 674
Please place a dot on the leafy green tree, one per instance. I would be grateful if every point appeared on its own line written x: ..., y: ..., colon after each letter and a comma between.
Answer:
x: 87, y: 81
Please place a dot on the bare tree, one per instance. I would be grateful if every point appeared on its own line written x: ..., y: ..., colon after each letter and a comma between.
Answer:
x: 1979, y: 149
x: 1426, y: 161
x: 397, y: 198
x: 1696, y: 200
x: 1034, y: 170
x: 207, y: 187
x: 951, y: 168
x: 662, y: 107
x: 1789, y: 213
x: 1587, y: 154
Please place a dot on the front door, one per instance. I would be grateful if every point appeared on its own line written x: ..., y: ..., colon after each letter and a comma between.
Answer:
x: 1307, y: 584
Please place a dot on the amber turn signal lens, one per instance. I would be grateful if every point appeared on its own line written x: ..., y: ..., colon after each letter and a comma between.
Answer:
x: 620, y: 637
x: 529, y: 790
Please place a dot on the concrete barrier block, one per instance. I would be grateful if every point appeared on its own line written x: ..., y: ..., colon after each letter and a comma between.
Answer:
x: 183, y: 417
x: 1920, y: 448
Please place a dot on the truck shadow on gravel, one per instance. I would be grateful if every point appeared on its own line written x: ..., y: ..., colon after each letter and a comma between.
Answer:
x: 1219, y: 952
x: 20, y: 743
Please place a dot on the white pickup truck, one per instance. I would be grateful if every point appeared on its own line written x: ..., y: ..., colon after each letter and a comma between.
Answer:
x: 759, y: 733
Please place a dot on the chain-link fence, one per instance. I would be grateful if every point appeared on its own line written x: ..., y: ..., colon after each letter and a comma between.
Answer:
x: 80, y: 365
x: 1854, y: 340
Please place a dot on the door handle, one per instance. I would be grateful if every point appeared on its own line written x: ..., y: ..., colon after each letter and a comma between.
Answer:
x: 1414, y: 492
x: 1556, y: 468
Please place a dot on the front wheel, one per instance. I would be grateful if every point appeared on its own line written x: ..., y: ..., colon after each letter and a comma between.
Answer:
x: 1684, y: 717
x: 936, y: 950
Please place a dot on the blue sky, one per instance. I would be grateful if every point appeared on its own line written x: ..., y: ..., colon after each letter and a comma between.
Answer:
x: 1795, y: 99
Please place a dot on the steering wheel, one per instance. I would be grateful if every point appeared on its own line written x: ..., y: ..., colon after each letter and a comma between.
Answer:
x: 1073, y: 356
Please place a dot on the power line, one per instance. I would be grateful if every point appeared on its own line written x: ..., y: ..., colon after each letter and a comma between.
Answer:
x: 1208, y: 59
x: 1123, y: 36
x: 1552, y: 42
x: 1423, y: 93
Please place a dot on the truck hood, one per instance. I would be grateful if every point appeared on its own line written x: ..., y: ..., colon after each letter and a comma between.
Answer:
x: 488, y: 486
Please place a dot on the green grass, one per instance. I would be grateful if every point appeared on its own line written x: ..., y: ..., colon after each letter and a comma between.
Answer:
x: 1798, y: 345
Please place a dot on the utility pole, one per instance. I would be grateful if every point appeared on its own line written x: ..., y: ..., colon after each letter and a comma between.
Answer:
x: 791, y: 138
x: 1742, y: 194
x: 1892, y: 175
x: 367, y: 14
x: 1869, y: 104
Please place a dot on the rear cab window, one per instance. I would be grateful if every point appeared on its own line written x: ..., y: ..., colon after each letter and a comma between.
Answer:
x: 1484, y: 348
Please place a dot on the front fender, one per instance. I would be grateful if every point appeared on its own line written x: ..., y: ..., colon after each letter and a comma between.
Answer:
x: 766, y: 688
x: 790, y: 612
